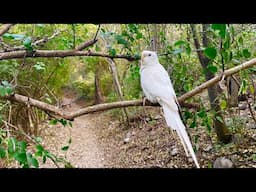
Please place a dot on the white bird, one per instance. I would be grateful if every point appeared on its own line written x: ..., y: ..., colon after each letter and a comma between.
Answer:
x: 157, y: 87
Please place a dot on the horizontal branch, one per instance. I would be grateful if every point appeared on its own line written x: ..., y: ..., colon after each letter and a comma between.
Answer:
x: 59, y: 53
x: 120, y: 104
x: 5, y: 28
x: 95, y: 108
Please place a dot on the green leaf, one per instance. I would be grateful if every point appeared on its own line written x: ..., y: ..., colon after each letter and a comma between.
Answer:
x: 69, y: 141
x: 20, y: 156
x: 243, y: 87
x: 70, y: 124
x: 221, y: 28
x: 27, y: 42
x: 48, y: 100
x: 193, y: 124
x: 63, y: 122
x: 246, y: 53
x: 39, y: 148
x: 11, y: 145
x: 44, y: 159
x: 2, y: 91
x: 22, y: 145
x: 2, y: 152
x: 226, y: 44
x: 212, y: 68
x: 121, y: 40
x: 65, y: 148
x: 6, y: 84
x: 32, y: 161
x: 139, y: 35
x: 13, y: 36
x: 241, y: 40
x: 39, y: 66
x: 188, y: 49
x: 223, y: 104
x: 112, y: 52
x: 219, y: 119
x: 187, y: 115
x: 53, y: 122
x: 201, y: 114
x: 180, y: 42
x: 210, y: 52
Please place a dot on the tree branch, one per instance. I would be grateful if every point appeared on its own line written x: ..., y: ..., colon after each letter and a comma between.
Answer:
x: 121, y: 104
x: 5, y: 28
x: 36, y: 43
x: 214, y: 80
x: 59, y: 53
x: 85, y: 44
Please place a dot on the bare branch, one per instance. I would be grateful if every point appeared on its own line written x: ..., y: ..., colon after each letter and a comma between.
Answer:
x: 71, y: 115
x: 59, y: 53
x: 5, y: 28
x: 214, y: 80
x: 96, y: 34
x: 86, y: 44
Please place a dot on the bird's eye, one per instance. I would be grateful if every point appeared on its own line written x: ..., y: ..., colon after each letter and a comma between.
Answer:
x: 149, y: 54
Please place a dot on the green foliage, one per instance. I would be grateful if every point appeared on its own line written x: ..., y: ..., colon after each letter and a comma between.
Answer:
x: 221, y: 28
x: 210, y: 52
x: 5, y: 88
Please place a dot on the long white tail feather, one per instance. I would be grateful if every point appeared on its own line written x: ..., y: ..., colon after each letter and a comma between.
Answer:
x: 182, y: 142
x: 174, y: 121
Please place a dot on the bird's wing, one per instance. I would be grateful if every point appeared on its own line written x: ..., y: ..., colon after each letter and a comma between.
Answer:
x: 156, y: 81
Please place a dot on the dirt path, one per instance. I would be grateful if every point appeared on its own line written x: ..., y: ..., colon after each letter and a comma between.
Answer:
x: 84, y: 151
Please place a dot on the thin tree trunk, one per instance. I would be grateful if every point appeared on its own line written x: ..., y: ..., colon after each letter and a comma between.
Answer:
x: 118, y: 86
x: 98, y: 98
x: 218, y: 121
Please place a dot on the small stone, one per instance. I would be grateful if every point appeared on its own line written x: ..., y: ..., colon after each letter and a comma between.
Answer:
x: 174, y: 151
x: 190, y: 160
x: 127, y: 139
x: 208, y: 148
x: 158, y: 117
x: 242, y: 106
x: 223, y: 162
x: 147, y: 119
x: 251, y: 125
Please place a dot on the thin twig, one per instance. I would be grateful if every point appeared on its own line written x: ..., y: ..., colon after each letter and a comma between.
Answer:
x: 96, y: 34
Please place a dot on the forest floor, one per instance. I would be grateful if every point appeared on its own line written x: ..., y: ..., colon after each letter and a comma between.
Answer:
x: 101, y: 141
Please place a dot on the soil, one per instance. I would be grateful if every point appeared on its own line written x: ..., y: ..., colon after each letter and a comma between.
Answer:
x: 100, y: 140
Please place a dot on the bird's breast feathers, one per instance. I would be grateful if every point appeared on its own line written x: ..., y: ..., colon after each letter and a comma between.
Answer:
x: 155, y: 82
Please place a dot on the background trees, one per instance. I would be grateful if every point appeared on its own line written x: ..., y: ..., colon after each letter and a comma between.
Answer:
x: 42, y: 61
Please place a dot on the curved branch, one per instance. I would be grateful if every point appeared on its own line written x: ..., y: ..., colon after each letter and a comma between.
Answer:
x: 120, y: 104
x: 86, y: 44
x: 5, y: 28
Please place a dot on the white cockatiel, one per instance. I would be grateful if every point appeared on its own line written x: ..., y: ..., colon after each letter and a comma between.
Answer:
x: 157, y: 87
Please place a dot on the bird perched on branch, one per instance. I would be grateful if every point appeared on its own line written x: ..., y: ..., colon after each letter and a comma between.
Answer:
x: 157, y: 87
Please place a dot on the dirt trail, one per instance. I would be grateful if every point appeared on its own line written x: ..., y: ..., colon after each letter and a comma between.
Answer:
x: 84, y: 151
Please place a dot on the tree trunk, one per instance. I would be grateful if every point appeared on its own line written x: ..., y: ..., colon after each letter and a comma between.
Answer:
x: 118, y: 86
x: 98, y: 98
x: 218, y: 121
x: 233, y: 89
